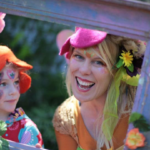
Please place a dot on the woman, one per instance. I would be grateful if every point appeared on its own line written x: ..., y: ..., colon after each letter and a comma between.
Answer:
x: 102, y: 77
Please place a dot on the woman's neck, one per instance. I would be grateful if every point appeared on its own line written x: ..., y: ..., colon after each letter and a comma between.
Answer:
x: 96, y: 106
x: 92, y: 114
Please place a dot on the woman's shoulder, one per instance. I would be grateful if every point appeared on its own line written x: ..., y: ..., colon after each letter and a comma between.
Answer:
x: 64, y: 117
x: 68, y: 103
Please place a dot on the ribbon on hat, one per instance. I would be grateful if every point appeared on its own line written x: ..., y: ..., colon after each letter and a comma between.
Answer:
x: 128, y: 66
x: 110, y: 109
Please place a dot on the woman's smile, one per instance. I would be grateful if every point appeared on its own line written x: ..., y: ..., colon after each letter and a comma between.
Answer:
x: 84, y: 85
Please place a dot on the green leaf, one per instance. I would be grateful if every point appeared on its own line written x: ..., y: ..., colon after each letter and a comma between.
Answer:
x: 134, y: 116
x: 0, y: 144
x: 131, y: 67
x: 119, y: 63
x: 142, y: 124
x: 24, y: 52
x: 3, y: 127
x: 79, y: 148
x: 5, y: 144
x: 16, y: 39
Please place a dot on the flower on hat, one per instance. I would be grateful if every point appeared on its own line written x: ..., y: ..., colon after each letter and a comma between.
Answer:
x: 135, y: 139
x: 127, y: 58
x: 2, y: 22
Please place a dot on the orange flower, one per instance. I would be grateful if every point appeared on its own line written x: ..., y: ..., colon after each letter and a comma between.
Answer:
x: 135, y: 139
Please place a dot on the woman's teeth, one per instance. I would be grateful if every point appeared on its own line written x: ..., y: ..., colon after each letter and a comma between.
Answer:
x: 83, y: 83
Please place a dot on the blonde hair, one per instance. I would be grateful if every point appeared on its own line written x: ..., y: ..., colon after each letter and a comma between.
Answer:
x: 109, y: 51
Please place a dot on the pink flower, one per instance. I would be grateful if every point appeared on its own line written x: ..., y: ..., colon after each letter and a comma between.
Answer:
x: 2, y: 22
x: 62, y: 36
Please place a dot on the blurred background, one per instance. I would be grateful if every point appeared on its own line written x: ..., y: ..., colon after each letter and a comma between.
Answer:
x: 34, y: 41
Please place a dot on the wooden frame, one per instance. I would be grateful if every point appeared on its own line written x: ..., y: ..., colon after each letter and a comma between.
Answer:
x: 18, y: 146
x: 124, y: 18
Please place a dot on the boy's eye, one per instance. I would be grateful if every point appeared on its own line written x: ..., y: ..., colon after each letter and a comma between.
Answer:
x: 16, y: 82
x: 2, y: 84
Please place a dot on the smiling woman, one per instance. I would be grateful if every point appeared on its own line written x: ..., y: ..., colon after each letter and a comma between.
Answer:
x: 103, y: 89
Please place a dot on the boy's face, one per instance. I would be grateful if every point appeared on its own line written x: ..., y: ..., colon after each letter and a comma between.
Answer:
x: 9, y: 89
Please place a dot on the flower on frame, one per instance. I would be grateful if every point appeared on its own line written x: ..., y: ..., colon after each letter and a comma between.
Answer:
x: 135, y: 139
x: 127, y: 58
x: 2, y: 22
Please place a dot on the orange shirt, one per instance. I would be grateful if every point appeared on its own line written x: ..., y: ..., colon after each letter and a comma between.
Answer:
x: 66, y: 139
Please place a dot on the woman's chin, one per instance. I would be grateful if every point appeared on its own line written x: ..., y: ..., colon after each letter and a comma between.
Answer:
x: 83, y: 98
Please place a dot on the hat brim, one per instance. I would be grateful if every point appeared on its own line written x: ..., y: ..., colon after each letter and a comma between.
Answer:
x: 25, y: 82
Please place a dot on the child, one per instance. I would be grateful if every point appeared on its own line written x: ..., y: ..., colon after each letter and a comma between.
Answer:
x: 13, y: 82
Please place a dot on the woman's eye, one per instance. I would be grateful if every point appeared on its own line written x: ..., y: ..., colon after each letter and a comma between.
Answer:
x: 3, y: 84
x: 78, y: 57
x: 98, y: 63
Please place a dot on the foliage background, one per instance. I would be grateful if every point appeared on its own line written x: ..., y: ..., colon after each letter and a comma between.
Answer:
x: 34, y: 41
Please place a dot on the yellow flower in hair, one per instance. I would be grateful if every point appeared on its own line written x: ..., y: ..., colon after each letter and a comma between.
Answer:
x: 127, y: 58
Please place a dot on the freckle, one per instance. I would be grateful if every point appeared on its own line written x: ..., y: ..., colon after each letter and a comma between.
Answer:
x: 1, y: 94
x: 102, y: 70
x: 88, y: 55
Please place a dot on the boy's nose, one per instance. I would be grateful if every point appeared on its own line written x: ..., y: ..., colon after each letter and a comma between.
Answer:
x: 85, y: 68
x: 13, y: 90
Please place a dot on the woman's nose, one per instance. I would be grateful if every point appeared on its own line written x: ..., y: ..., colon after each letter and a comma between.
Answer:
x: 85, y: 68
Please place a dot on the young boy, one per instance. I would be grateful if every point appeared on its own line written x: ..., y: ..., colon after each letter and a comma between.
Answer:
x: 13, y: 82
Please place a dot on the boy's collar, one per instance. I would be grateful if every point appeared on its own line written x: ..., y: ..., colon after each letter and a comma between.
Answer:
x: 16, y: 115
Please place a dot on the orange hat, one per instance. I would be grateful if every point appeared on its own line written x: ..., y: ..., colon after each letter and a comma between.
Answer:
x: 6, y: 55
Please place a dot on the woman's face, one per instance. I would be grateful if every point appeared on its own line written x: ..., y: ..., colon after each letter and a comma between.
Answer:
x: 90, y: 78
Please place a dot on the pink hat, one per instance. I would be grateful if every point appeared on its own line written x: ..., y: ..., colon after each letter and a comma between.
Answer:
x: 82, y: 38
